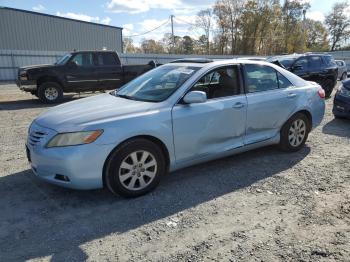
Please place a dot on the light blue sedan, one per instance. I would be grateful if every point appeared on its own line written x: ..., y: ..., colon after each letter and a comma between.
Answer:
x: 174, y: 116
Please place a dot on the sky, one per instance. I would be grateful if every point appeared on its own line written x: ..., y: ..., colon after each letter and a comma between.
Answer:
x: 140, y: 16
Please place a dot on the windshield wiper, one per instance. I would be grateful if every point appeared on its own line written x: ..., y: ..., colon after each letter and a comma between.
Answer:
x: 125, y: 96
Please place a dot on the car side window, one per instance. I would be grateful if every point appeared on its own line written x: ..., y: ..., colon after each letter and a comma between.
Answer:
x: 261, y: 78
x: 221, y: 82
x: 329, y: 60
x: 283, y: 82
x: 106, y: 59
x: 315, y: 62
x: 301, y: 64
x: 83, y: 59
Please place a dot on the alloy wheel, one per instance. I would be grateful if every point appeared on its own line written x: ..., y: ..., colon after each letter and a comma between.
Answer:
x: 51, y: 93
x: 297, y: 132
x: 137, y: 170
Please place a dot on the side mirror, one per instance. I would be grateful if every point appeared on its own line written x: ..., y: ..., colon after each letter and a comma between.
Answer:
x: 297, y: 67
x: 194, y: 97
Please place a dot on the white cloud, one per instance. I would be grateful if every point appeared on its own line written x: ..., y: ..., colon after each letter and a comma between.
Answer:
x: 107, y: 20
x: 315, y: 15
x: 83, y: 17
x: 139, y: 6
x: 39, y: 8
x: 127, y: 29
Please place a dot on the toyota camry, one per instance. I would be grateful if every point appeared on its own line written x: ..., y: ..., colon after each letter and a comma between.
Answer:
x: 176, y: 115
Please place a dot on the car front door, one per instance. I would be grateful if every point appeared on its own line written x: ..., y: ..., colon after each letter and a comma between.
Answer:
x: 214, y: 126
x: 80, y: 72
x: 109, y: 70
x: 301, y: 68
x: 271, y: 100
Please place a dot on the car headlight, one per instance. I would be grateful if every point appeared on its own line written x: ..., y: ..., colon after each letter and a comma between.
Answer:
x: 343, y: 91
x: 23, y: 75
x: 74, y: 138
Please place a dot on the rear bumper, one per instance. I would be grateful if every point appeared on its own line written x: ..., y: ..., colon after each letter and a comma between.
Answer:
x: 341, y: 106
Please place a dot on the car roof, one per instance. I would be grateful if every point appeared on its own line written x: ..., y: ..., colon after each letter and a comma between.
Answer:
x: 93, y: 51
x: 220, y: 63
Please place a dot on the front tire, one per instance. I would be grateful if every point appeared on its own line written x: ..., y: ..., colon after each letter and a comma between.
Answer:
x: 50, y: 92
x: 135, y: 168
x: 294, y: 133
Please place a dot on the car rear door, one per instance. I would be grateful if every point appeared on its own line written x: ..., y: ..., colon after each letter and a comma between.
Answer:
x: 109, y: 70
x: 215, y: 126
x: 317, y: 69
x: 271, y: 100
x: 80, y: 72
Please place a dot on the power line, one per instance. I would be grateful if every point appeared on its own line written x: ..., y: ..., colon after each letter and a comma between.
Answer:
x: 183, y: 21
x: 144, y: 33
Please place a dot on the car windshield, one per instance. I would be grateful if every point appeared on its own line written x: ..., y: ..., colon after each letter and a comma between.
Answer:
x: 285, y: 61
x: 63, y: 59
x: 157, y: 84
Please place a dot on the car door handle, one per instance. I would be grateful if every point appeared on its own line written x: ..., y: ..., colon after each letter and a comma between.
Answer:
x: 238, y: 105
x: 292, y: 95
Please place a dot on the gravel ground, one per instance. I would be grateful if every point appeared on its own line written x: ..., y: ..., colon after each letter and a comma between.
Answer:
x: 263, y: 205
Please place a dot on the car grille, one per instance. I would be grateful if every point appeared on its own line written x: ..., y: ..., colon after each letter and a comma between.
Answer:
x: 35, y: 137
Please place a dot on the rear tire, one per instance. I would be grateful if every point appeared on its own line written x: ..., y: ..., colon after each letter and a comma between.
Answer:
x: 50, y: 92
x: 294, y: 133
x: 135, y: 168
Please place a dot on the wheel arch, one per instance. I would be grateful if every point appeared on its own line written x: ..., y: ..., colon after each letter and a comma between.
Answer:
x: 153, y: 139
x: 306, y: 112
x: 48, y: 78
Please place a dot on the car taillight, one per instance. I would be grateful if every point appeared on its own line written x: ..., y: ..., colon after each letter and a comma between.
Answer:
x: 321, y: 93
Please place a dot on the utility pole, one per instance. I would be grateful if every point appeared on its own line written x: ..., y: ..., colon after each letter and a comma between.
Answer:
x: 304, y: 28
x: 172, y: 32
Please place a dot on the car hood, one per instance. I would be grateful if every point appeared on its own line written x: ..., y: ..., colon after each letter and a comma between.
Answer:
x: 37, y: 67
x: 95, y: 110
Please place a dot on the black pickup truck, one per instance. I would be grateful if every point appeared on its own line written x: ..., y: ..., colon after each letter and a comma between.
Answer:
x: 78, y: 72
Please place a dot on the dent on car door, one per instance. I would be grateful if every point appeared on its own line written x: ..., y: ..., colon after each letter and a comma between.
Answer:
x: 271, y: 100
x: 216, y: 125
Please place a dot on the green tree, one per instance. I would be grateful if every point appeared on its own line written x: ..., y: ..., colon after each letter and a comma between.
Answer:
x: 338, y: 24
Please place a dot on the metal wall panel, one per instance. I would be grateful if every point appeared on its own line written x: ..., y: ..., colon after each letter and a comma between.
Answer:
x: 10, y: 60
x: 24, y: 30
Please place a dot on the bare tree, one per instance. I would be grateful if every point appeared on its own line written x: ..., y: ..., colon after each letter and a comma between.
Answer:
x: 203, y: 21
x: 338, y: 23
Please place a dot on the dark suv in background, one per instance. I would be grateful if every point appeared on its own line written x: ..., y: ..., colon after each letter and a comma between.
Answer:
x: 319, y: 68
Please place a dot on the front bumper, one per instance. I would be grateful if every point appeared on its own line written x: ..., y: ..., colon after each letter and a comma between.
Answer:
x: 27, y: 85
x: 82, y: 165
x: 341, y: 106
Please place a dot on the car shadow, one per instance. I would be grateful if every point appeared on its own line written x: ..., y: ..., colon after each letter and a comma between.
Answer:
x: 35, y: 102
x: 337, y: 127
x: 41, y: 220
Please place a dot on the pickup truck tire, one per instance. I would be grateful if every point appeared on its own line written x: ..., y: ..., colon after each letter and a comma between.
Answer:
x: 135, y: 168
x: 50, y: 92
x: 294, y: 133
